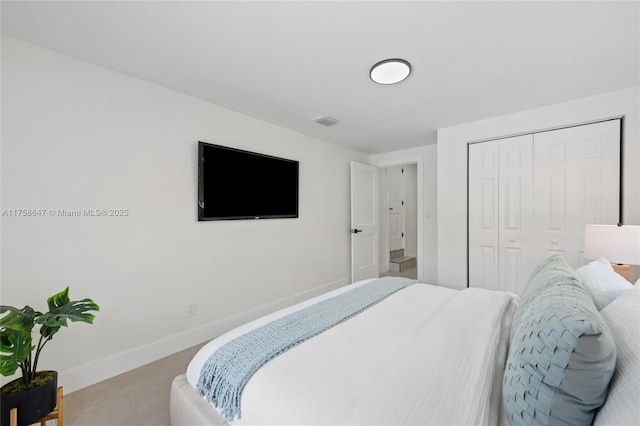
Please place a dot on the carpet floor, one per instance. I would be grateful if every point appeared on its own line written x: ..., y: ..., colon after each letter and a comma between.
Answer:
x: 137, y: 398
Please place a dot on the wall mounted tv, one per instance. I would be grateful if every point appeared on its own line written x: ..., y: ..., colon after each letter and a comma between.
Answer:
x: 237, y: 184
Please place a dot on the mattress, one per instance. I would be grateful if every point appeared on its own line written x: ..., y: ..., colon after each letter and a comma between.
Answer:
x: 425, y: 355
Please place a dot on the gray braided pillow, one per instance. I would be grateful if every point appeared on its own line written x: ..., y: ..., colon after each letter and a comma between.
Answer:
x: 562, y: 354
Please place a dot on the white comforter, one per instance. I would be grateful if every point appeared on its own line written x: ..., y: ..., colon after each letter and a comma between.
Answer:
x: 426, y: 355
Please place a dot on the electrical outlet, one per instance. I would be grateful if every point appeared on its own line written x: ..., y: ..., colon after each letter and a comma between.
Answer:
x: 191, y: 309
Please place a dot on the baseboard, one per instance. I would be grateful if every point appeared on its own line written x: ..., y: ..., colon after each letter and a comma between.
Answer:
x: 106, y: 368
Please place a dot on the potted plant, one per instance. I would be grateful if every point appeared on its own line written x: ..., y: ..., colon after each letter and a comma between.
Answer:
x: 35, y: 392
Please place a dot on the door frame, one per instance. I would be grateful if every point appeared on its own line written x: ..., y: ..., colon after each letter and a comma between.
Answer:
x: 383, y: 163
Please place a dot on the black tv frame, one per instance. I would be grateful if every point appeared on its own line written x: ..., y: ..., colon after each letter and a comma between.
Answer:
x: 201, y: 167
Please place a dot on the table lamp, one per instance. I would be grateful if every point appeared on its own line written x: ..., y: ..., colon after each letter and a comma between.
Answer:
x: 619, y: 244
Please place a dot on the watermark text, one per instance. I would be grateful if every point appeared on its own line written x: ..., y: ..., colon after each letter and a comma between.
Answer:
x: 65, y: 212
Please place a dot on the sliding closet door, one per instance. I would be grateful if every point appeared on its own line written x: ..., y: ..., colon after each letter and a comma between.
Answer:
x: 500, y: 213
x: 577, y: 181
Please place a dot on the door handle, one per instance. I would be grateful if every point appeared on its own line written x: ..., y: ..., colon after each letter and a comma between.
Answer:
x: 355, y: 231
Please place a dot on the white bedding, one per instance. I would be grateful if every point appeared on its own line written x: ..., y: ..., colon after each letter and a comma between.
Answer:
x: 425, y: 355
x: 193, y: 370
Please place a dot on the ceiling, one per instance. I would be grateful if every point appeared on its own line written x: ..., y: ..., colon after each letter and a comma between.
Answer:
x: 292, y: 61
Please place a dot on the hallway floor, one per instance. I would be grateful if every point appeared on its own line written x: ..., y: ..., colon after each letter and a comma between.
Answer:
x: 407, y: 273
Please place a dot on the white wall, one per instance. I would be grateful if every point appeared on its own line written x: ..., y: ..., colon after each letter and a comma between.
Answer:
x: 77, y: 136
x: 452, y: 166
x: 425, y: 159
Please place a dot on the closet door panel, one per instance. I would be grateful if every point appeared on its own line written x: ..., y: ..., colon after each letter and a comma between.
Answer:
x: 483, y: 215
x: 515, y: 218
x: 500, y: 213
x: 555, y: 200
x: 577, y: 182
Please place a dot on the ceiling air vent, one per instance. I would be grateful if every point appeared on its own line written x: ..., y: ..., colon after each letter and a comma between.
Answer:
x: 326, y: 120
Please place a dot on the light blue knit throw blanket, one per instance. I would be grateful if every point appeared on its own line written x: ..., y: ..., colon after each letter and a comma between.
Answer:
x: 227, y: 371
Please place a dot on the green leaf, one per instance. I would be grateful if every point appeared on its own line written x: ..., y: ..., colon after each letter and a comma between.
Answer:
x: 15, y: 347
x: 59, y: 299
x: 61, y: 309
x: 17, y: 319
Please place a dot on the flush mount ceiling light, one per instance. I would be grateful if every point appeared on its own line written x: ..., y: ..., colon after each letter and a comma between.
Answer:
x: 390, y: 71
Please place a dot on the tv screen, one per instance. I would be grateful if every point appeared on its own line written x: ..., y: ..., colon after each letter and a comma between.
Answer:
x: 237, y: 184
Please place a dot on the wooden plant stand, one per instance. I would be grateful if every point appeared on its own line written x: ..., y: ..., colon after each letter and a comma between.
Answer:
x: 56, y: 414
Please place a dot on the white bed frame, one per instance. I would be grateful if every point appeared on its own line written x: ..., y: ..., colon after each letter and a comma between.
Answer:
x: 188, y: 408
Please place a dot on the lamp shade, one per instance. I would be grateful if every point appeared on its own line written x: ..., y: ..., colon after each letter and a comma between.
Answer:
x: 617, y: 244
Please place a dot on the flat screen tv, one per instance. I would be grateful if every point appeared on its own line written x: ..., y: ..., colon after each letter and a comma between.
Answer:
x: 237, y: 184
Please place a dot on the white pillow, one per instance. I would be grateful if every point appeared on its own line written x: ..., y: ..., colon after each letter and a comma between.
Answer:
x: 623, y: 317
x: 603, y: 282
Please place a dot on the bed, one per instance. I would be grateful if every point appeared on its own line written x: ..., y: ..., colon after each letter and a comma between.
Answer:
x: 431, y: 355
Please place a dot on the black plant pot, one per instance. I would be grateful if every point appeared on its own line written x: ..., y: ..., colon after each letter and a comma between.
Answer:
x: 32, y: 405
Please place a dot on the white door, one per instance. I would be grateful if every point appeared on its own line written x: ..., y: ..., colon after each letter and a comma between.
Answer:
x: 410, y: 210
x: 484, y: 175
x: 500, y: 210
x: 577, y: 182
x: 516, y: 212
x: 364, y: 222
x: 531, y: 196
x: 395, y: 195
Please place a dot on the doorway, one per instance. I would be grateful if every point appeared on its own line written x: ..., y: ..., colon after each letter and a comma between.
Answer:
x: 399, y: 197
